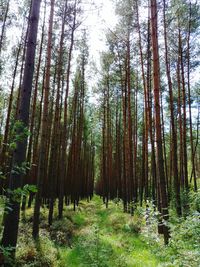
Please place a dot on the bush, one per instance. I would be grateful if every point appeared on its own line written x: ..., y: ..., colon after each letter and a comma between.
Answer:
x: 195, y: 200
x: 133, y: 227
x: 186, y: 234
x: 36, y: 253
x: 61, y: 231
x: 116, y: 221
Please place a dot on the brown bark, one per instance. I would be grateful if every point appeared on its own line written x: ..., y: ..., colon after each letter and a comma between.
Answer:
x: 63, y: 162
x: 193, y: 173
x: 63, y: 183
x: 44, y: 129
x: 53, y: 172
x: 130, y: 130
x: 10, y: 232
x: 185, y: 161
x: 33, y: 112
x: 146, y: 122
x: 156, y: 79
x: 173, y: 127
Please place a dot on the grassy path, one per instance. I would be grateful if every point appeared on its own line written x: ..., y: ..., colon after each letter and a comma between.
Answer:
x: 106, y: 238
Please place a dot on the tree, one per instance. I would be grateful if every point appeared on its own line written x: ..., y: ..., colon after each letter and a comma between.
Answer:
x: 42, y: 168
x: 13, y: 206
x: 162, y: 187
x: 172, y: 113
x: 4, y: 25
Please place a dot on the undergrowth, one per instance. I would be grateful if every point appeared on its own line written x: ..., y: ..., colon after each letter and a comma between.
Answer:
x: 94, y: 236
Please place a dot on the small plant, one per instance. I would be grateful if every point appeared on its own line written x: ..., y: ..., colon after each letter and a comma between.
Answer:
x: 20, y: 132
x: 93, y: 251
x: 5, y: 255
x: 18, y: 193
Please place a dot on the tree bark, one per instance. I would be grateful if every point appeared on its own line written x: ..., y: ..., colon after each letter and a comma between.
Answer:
x: 173, y: 127
x: 43, y: 143
x: 10, y: 232
x: 160, y: 160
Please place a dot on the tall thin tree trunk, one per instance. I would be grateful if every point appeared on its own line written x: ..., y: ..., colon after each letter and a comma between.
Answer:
x: 173, y: 128
x: 193, y: 173
x: 4, y: 25
x: 160, y: 160
x: 33, y: 111
x: 185, y: 161
x: 10, y: 232
x: 43, y: 143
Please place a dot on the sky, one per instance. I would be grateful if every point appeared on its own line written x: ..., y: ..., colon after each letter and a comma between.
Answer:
x: 98, y: 17
x: 98, y: 20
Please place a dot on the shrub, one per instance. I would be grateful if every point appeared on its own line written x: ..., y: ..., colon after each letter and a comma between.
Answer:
x: 37, y: 254
x: 117, y: 220
x: 195, y: 200
x: 61, y: 231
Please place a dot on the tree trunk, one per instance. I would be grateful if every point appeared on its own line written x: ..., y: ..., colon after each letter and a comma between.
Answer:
x: 10, y: 232
x: 44, y: 131
x: 33, y: 112
x: 4, y: 25
x: 160, y: 160
x: 173, y: 128
x: 193, y: 173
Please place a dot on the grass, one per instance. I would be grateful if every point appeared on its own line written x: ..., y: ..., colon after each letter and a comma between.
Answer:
x: 102, y: 240
x: 96, y: 236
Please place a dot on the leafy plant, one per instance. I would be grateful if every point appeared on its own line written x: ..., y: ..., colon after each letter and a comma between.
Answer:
x: 5, y: 255
x: 93, y: 251
x: 21, y: 169
x: 195, y: 200
x: 20, y: 192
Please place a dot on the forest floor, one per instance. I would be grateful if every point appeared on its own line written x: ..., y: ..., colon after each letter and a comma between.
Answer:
x: 93, y: 236
x: 107, y: 237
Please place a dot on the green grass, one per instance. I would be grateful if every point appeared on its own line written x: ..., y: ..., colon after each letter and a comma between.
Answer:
x: 96, y: 236
x: 102, y: 239
x: 79, y: 219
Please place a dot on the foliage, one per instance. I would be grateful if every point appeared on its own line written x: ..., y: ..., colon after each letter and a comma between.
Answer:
x: 92, y: 250
x: 39, y: 253
x: 195, y: 200
x: 95, y: 236
x: 20, y: 133
x: 5, y: 255
x: 184, y: 245
x: 102, y: 241
x: 61, y: 231
x: 21, y: 169
x: 18, y: 193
